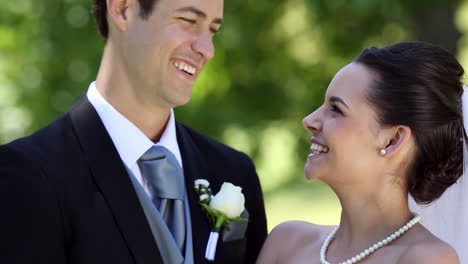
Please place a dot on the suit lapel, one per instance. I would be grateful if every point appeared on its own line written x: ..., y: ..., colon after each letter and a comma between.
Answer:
x: 195, y: 168
x: 112, y: 179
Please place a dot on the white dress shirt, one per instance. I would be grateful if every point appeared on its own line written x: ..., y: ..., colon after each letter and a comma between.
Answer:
x: 131, y: 143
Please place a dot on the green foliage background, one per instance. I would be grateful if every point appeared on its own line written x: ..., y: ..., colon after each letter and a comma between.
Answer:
x: 273, y: 62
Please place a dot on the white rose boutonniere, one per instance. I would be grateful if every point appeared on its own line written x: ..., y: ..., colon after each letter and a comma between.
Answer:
x: 223, y: 208
x: 229, y: 200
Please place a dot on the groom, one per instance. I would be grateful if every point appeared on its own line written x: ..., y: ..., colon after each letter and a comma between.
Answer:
x: 91, y: 187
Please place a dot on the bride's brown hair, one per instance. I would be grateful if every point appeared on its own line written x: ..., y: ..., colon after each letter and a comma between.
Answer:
x: 419, y: 85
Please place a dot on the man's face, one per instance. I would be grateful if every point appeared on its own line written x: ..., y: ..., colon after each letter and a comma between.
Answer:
x: 165, y: 53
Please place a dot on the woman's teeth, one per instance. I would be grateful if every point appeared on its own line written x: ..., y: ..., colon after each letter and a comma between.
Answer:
x: 316, y: 148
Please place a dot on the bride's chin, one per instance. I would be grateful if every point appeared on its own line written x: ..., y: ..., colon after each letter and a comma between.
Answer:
x: 312, y: 177
x: 309, y: 173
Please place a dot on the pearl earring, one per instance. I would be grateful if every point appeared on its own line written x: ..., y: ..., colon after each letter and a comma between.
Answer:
x: 383, y: 152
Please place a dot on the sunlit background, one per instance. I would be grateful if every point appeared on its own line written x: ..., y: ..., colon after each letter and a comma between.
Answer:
x: 273, y: 62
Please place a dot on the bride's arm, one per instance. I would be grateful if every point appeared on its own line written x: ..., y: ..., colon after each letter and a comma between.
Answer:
x: 268, y: 252
x: 284, y: 242
x: 275, y: 248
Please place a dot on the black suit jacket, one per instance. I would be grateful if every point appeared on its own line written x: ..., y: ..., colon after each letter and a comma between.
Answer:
x: 66, y: 197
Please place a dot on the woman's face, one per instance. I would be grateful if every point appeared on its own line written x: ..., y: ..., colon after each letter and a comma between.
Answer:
x: 344, y: 145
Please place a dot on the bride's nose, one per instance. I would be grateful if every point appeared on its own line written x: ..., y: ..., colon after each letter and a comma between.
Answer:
x: 313, y: 122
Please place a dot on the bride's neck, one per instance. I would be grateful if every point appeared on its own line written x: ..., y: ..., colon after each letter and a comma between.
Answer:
x: 370, y: 217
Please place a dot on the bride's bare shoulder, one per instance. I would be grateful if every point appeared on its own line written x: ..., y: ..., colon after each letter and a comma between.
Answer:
x: 297, y: 230
x: 430, y: 251
x: 290, y: 237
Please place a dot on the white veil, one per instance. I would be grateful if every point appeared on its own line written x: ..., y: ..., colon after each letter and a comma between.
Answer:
x: 447, y: 217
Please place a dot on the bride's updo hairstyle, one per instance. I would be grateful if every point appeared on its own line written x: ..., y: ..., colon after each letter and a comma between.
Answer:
x: 418, y: 85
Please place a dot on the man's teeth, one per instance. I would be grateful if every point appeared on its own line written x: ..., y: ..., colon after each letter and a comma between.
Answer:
x: 185, y: 67
x: 318, y: 148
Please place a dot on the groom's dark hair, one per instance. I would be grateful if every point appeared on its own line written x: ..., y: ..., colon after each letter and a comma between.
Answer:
x: 419, y: 85
x: 100, y: 13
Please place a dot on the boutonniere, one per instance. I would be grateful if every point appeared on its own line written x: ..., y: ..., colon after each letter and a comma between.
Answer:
x: 223, y: 208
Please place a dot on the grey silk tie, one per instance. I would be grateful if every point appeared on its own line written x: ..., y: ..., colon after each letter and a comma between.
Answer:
x: 164, y: 176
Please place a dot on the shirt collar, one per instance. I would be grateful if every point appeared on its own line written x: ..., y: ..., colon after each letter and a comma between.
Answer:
x: 131, y: 143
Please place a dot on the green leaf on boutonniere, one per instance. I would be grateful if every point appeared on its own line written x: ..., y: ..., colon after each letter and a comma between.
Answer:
x: 210, y: 213
x: 237, y: 219
x: 216, y: 213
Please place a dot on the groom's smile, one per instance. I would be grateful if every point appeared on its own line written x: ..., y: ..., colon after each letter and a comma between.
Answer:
x: 188, y: 70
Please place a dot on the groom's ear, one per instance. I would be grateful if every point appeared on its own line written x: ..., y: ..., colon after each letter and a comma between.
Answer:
x: 120, y: 13
x: 398, y: 140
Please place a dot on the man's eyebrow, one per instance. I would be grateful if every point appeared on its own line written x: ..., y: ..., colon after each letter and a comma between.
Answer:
x: 199, y: 13
x: 339, y: 100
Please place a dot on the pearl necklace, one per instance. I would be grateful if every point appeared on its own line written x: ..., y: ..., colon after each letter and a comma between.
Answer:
x: 371, y: 249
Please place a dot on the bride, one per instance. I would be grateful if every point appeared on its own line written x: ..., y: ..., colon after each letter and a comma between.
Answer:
x: 391, y: 125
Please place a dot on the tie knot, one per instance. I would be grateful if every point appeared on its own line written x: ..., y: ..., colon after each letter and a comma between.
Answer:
x: 160, y: 168
x: 155, y: 153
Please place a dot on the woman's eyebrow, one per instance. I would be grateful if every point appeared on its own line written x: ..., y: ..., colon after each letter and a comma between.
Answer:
x: 335, y: 99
